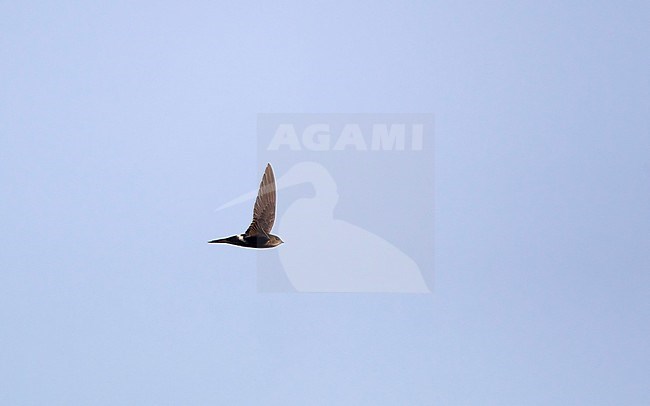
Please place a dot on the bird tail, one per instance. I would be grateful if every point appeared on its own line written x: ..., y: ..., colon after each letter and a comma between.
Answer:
x: 218, y: 241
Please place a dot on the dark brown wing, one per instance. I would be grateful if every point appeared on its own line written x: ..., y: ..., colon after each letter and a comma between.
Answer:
x: 264, y: 211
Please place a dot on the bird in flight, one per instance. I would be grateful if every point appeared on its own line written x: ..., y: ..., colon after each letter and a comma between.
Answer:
x: 258, y: 234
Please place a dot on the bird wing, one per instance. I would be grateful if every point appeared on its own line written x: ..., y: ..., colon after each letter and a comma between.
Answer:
x: 264, y: 211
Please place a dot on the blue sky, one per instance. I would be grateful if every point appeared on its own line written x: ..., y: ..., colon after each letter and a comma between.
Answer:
x: 123, y: 126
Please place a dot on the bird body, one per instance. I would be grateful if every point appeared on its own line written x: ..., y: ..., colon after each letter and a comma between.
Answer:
x: 251, y: 241
x: 258, y: 234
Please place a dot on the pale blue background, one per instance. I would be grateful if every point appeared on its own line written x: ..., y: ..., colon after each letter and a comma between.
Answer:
x: 123, y: 126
